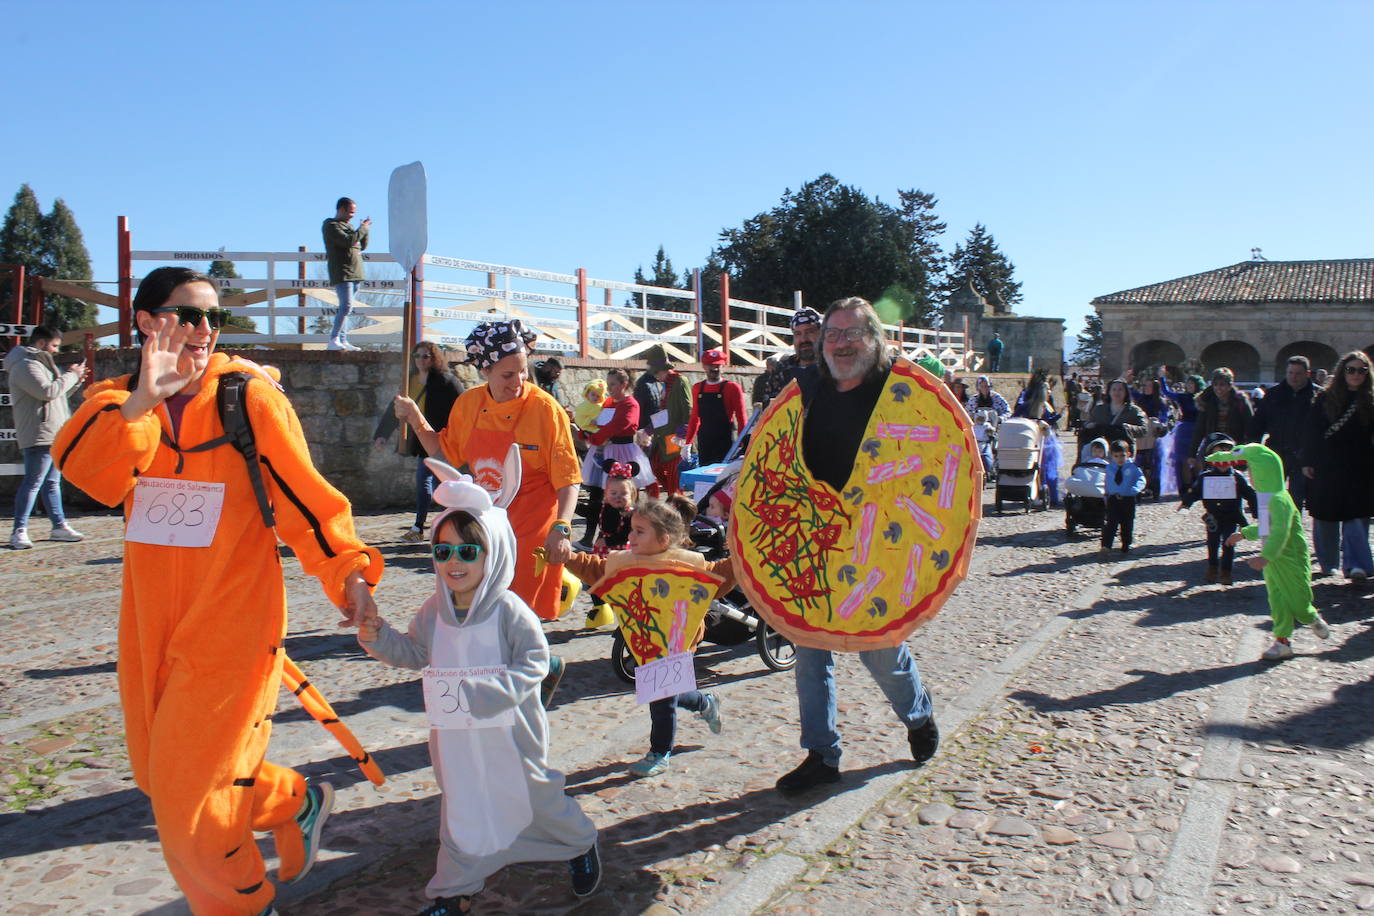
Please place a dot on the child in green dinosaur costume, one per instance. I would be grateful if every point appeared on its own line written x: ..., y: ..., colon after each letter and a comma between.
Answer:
x: 1283, y: 556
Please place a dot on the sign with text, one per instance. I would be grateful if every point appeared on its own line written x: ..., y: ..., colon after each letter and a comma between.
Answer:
x: 175, y: 513
x: 666, y: 677
x: 446, y: 698
x: 1219, y: 487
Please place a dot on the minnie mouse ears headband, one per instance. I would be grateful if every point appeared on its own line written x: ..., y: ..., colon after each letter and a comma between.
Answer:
x: 492, y: 341
x: 620, y: 470
x: 805, y: 315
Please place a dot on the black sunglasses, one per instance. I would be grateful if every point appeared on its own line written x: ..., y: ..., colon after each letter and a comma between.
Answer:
x: 468, y: 553
x: 188, y: 314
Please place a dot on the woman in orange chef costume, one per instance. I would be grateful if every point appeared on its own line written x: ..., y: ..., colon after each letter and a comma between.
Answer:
x: 483, y: 424
x: 201, y: 627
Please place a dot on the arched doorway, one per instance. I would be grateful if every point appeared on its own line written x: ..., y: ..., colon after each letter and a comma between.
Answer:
x: 1155, y: 353
x: 1318, y: 354
x: 1236, y: 355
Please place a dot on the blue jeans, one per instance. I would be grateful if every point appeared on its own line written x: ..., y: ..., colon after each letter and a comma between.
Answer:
x: 40, y: 476
x: 424, y: 491
x: 1342, y: 545
x: 896, y: 674
x: 345, y: 292
x: 663, y: 719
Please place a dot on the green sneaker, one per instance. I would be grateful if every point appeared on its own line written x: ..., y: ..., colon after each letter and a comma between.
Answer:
x: 319, y: 801
x: 710, y: 712
x: 650, y: 765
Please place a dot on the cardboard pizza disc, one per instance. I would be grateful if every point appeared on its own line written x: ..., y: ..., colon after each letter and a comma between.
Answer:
x: 862, y: 567
x: 659, y: 606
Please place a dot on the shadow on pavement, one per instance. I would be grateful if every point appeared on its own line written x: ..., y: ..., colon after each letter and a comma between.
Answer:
x: 1146, y: 688
x: 78, y: 671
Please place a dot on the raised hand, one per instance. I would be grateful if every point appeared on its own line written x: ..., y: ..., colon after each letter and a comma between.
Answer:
x: 165, y: 368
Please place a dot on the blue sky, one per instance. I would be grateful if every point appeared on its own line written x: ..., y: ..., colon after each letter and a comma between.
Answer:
x: 1105, y: 145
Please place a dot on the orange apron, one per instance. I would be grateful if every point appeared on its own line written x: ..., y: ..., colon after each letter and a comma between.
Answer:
x: 532, y: 514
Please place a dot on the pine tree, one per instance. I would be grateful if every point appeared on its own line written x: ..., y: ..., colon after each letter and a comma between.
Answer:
x: 21, y: 242
x: 66, y: 258
x: 225, y: 270
x: 47, y: 246
x: 1089, y: 349
x: 980, y: 260
x: 663, y: 275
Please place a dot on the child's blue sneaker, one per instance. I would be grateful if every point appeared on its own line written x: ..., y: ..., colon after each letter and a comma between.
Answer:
x: 651, y: 765
x: 551, y: 680
x: 319, y: 801
x: 710, y: 711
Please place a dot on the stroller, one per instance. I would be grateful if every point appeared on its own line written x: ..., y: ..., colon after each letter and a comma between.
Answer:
x: 730, y: 621
x: 985, y: 421
x: 1085, y: 501
x: 1019, y: 475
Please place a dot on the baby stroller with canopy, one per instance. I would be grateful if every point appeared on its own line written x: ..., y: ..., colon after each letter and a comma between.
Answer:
x: 1019, y: 475
x: 1085, y: 501
x: 985, y: 422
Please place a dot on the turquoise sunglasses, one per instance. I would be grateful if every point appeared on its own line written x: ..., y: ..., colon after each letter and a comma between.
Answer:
x: 468, y: 553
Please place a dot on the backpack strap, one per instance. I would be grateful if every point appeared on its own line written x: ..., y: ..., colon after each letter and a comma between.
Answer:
x: 231, y: 399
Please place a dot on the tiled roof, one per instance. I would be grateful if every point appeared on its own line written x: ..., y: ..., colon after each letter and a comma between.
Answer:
x: 1260, y: 281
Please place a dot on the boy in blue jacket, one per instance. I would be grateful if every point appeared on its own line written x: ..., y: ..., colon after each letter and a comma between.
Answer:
x: 1124, y: 483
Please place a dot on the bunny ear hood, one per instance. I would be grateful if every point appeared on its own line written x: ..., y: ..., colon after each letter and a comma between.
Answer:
x: 457, y: 493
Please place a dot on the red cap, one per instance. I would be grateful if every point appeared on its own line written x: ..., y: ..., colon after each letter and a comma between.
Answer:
x: 713, y: 358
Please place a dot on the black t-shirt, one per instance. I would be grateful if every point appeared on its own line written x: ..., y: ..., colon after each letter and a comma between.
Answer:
x: 834, y: 428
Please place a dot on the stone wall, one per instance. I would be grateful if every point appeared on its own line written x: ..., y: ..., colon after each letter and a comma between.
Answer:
x: 340, y: 397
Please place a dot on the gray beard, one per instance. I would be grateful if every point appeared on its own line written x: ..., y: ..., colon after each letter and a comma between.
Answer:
x: 860, y: 370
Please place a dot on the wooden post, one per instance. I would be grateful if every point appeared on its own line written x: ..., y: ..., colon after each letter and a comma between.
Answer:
x: 725, y: 314
x: 696, y: 307
x: 126, y: 284
x: 407, y: 347
x: 417, y: 296
x: 300, y: 297
x: 583, y: 344
x: 88, y: 348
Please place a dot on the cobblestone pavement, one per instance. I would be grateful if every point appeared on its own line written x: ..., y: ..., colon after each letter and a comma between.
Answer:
x: 1111, y: 745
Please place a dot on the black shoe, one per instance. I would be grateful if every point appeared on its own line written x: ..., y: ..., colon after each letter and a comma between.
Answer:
x: 813, y: 772
x: 924, y: 739
x: 448, y: 906
x: 586, y: 872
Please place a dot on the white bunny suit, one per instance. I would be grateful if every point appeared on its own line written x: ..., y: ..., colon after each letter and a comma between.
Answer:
x: 501, y: 801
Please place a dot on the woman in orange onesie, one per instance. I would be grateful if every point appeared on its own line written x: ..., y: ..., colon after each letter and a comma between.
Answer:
x: 203, y: 612
x: 484, y: 423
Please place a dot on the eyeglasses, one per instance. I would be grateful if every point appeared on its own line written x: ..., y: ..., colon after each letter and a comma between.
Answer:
x: 187, y: 314
x: 468, y: 553
x: 1353, y: 369
x: 421, y: 355
x: 833, y: 335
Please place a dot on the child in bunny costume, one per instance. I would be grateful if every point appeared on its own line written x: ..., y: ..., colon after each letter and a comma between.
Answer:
x: 501, y: 801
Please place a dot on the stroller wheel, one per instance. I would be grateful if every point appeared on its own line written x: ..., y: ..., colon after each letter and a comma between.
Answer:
x: 776, y: 650
x: 622, y: 660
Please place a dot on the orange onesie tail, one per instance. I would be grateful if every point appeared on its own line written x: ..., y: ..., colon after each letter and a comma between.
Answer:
x: 319, y: 709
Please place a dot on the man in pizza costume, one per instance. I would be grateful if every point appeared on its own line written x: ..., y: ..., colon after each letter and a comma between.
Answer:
x: 855, y: 516
x: 203, y: 612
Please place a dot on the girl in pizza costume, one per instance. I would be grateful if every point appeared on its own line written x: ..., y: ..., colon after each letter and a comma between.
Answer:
x: 203, y: 611
x: 484, y: 423
x: 658, y: 618
x: 1283, y: 558
x: 502, y: 803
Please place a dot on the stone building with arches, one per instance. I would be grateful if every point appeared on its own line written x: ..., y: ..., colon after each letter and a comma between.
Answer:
x: 1250, y: 317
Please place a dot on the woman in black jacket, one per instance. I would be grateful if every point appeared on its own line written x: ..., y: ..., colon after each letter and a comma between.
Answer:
x: 434, y: 388
x: 1337, y: 455
x: 1222, y: 408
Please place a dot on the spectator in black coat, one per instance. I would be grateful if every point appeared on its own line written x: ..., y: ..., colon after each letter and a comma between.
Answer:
x: 1282, y: 414
x: 1337, y: 457
x: 1220, y: 409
